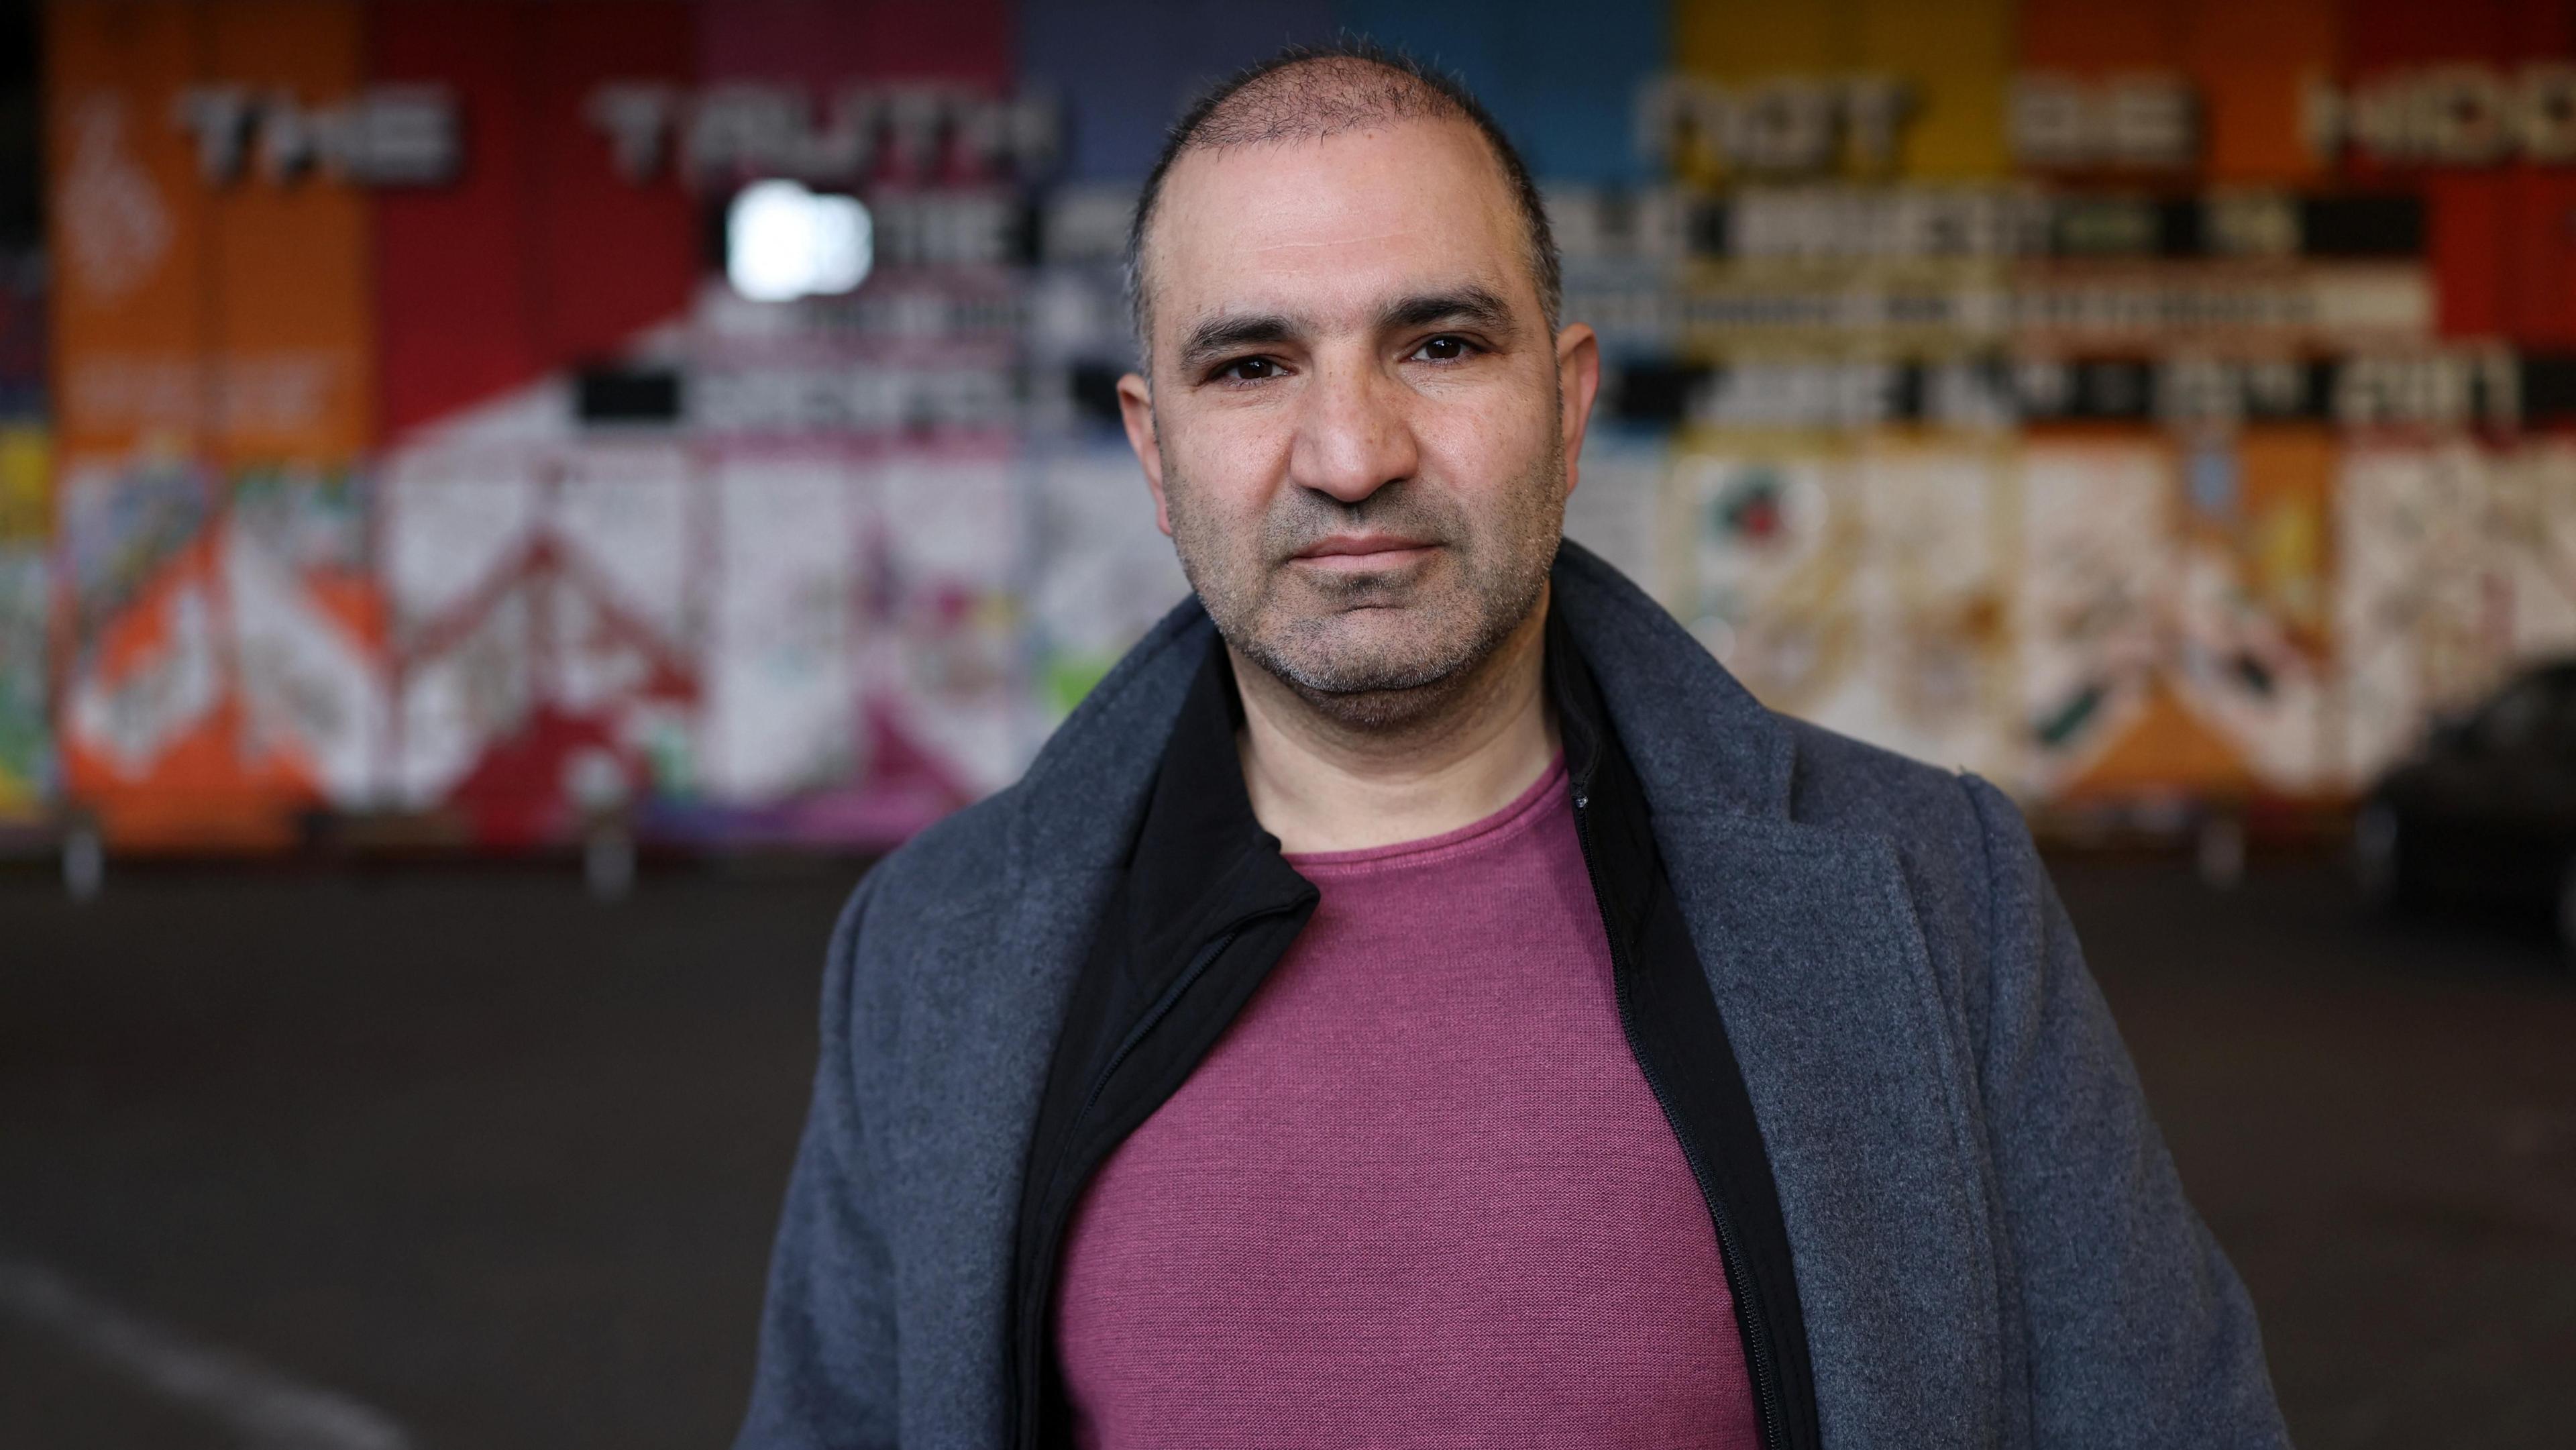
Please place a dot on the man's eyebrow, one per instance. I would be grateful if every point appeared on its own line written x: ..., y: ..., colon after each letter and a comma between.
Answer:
x: 1473, y: 305
x: 1219, y: 335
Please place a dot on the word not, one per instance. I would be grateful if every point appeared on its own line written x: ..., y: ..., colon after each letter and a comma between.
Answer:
x: 1791, y: 125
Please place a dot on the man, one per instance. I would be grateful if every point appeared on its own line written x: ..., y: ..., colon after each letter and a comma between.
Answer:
x: 1419, y: 998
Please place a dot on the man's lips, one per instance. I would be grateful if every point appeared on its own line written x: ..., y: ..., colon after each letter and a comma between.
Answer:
x: 1354, y: 552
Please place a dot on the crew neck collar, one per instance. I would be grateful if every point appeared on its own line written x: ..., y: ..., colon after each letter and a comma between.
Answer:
x: 1502, y: 823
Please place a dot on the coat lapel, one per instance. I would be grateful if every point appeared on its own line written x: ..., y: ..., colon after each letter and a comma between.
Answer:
x: 977, y: 1025
x: 982, y: 998
x: 1812, y: 950
x: 1817, y: 960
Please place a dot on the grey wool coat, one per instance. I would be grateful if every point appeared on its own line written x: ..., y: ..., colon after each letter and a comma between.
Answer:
x: 1990, y: 1244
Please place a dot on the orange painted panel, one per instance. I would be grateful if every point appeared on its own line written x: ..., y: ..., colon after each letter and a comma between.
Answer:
x: 2079, y: 37
x: 292, y: 344
x: 2252, y: 64
x: 126, y: 217
x: 215, y: 322
x: 2284, y: 543
x: 2166, y: 749
x: 153, y: 743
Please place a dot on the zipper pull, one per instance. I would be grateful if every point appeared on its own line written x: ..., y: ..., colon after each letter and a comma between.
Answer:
x: 1580, y: 799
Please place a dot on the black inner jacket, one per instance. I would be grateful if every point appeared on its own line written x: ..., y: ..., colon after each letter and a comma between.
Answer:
x: 1207, y: 906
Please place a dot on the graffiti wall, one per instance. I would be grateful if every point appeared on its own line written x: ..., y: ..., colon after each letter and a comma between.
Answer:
x: 2159, y: 402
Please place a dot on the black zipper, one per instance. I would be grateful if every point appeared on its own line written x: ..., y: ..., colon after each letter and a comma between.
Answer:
x: 1162, y: 1008
x: 1757, y: 1339
x: 1051, y: 1242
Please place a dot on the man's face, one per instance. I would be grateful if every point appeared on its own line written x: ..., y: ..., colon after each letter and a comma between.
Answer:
x: 1358, y: 425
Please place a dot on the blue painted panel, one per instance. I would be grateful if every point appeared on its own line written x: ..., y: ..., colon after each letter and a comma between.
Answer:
x: 1125, y: 68
x: 1562, y: 79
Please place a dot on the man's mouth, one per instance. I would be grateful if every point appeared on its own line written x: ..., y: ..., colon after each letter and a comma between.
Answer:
x: 1357, y: 553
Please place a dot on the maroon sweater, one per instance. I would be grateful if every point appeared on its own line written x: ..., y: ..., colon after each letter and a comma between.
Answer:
x: 1418, y: 1195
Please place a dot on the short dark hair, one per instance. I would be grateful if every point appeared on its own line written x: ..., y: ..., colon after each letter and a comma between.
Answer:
x: 1361, y: 84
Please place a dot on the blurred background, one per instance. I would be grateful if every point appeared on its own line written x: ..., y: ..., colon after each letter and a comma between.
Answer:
x: 505, y: 508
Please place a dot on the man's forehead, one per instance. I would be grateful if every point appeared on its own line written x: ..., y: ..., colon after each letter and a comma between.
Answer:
x: 1406, y: 205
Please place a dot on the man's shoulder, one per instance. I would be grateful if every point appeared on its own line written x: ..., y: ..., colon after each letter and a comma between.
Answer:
x: 1850, y: 784
x: 1951, y: 829
x: 956, y: 865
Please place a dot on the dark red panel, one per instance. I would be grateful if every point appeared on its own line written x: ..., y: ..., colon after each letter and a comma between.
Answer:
x: 826, y: 45
x: 454, y: 295
x: 2467, y: 211
x: 612, y: 256
x: 2385, y: 34
x: 2540, y: 29
x: 2539, y: 280
x: 2081, y: 38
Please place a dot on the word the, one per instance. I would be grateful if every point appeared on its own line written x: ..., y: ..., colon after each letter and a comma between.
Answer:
x: 386, y: 136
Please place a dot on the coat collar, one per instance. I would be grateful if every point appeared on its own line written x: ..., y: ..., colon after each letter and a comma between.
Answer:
x: 1699, y: 740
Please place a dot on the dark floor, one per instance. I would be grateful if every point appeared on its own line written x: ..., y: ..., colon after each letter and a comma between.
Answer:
x: 500, y: 1161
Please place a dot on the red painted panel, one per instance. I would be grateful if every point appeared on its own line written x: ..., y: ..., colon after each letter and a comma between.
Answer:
x: 2252, y: 64
x: 454, y: 288
x: 826, y: 45
x: 2388, y: 34
x: 2467, y: 247
x: 2540, y: 257
x: 612, y: 255
x: 2537, y: 29
x: 2081, y: 38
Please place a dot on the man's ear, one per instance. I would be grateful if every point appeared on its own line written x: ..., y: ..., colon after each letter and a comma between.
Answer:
x: 1136, y: 410
x: 1578, y: 381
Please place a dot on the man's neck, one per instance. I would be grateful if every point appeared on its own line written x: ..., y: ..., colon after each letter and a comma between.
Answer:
x: 1320, y: 785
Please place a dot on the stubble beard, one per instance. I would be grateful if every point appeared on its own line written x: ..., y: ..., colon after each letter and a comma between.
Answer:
x: 1300, y: 629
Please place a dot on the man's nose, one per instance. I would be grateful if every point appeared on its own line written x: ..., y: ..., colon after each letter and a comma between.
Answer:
x: 1353, y: 435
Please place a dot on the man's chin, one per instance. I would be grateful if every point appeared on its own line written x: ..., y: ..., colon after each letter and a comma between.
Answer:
x: 1381, y: 705
x: 1376, y: 663
x: 1370, y: 674
x: 1375, y: 647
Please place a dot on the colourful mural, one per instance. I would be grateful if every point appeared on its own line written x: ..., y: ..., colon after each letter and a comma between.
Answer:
x: 26, y: 734
x: 2151, y: 404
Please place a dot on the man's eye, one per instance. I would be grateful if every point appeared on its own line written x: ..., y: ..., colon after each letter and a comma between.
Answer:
x: 1248, y: 370
x: 1444, y: 349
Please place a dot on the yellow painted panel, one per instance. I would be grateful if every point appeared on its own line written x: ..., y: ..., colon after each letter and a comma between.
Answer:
x: 1751, y: 39
x: 1957, y: 55
x: 26, y: 482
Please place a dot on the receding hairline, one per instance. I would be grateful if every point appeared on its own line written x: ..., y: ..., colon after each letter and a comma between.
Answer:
x: 1457, y: 129
x: 1315, y: 97
x: 1308, y: 95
